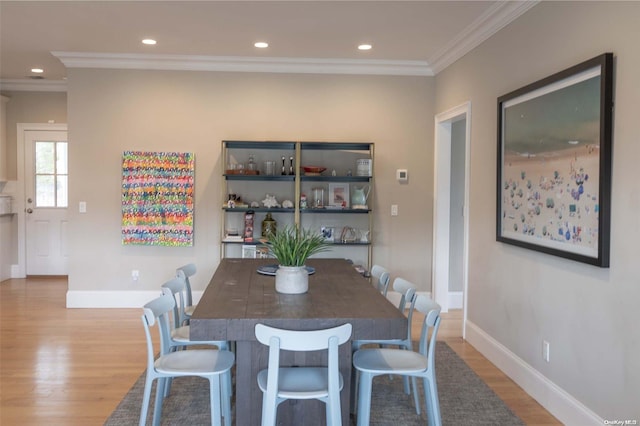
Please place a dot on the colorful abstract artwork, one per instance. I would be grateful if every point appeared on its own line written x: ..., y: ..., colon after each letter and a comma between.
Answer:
x: 157, y: 198
x: 554, y: 164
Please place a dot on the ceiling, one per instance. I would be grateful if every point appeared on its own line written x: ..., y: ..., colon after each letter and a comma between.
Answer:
x: 408, y: 37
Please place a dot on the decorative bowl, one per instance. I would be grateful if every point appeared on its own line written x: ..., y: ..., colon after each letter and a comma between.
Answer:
x: 313, y: 169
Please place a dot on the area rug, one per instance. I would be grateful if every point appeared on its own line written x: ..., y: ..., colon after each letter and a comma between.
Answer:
x: 464, y: 400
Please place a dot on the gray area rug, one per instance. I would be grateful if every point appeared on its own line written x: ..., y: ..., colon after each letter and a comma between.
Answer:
x: 464, y: 400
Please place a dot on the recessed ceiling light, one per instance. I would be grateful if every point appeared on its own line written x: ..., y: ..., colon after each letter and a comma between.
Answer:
x: 37, y: 70
x: 365, y: 47
x: 261, y: 44
x: 149, y: 41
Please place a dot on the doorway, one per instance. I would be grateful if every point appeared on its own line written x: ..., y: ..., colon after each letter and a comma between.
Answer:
x: 43, y: 199
x: 451, y: 188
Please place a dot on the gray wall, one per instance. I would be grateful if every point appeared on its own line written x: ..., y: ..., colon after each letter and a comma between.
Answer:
x: 30, y: 107
x: 456, y: 219
x: 521, y: 297
x: 111, y: 111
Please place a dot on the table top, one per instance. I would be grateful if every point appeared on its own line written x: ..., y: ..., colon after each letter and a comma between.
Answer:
x: 238, y: 297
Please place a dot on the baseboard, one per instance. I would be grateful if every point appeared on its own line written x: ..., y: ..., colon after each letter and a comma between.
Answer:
x: 115, y: 299
x: 554, y: 399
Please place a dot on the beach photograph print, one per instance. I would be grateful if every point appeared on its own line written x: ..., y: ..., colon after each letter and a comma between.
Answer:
x: 549, y: 186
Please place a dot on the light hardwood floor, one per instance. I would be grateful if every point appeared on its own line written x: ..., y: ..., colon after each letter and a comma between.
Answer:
x: 63, y: 366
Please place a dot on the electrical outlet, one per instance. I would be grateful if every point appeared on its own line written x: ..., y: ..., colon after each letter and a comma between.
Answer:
x: 545, y: 350
x: 394, y: 210
x: 135, y: 275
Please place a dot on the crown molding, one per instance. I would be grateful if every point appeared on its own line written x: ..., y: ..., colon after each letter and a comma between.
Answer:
x: 242, y: 64
x: 493, y: 20
x: 33, y: 85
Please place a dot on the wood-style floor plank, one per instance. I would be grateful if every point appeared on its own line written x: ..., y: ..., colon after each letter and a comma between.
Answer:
x: 73, y: 366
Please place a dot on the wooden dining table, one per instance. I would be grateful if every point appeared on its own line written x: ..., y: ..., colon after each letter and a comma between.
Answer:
x: 238, y: 298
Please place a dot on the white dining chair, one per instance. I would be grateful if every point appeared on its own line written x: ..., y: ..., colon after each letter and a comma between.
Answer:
x: 210, y: 364
x: 186, y: 272
x: 281, y: 383
x: 374, y: 362
x: 407, y: 302
x: 381, y: 278
x: 179, y: 335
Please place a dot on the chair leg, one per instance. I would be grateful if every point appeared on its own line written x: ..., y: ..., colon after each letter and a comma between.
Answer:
x: 354, y: 390
x: 333, y: 411
x: 431, y: 400
x: 225, y: 399
x: 416, y: 398
x: 146, y: 398
x: 157, y: 408
x: 269, y: 410
x: 214, y: 397
x: 364, y: 398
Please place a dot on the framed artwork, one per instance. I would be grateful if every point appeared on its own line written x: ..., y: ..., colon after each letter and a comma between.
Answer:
x: 554, y: 163
x: 339, y: 195
x: 157, y: 198
x: 249, y: 251
x: 327, y: 233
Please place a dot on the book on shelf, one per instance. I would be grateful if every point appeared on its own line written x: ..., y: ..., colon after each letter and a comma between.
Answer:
x: 233, y: 239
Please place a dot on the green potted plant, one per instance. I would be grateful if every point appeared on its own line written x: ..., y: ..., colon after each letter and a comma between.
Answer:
x: 292, y: 246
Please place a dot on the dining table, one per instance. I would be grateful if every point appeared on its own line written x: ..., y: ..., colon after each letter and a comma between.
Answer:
x: 239, y: 296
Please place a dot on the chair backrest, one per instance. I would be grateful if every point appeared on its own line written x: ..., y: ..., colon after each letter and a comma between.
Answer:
x: 157, y: 312
x: 431, y: 311
x: 407, y: 292
x: 294, y: 340
x: 176, y: 289
x: 382, y: 277
x: 185, y: 272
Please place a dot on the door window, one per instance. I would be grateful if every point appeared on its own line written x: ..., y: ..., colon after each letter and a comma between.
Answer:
x: 51, y: 174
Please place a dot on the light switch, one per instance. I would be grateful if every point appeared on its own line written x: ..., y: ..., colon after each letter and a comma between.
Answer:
x: 82, y: 206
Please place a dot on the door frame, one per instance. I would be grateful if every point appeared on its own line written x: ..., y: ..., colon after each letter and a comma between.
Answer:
x: 21, y: 190
x: 442, y: 207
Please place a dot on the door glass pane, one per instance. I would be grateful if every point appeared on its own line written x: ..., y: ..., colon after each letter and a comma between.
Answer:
x: 62, y: 195
x: 51, y: 174
x: 45, y: 191
x: 61, y: 158
x: 45, y: 153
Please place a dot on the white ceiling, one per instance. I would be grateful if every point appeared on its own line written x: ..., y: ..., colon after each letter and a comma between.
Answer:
x: 408, y: 37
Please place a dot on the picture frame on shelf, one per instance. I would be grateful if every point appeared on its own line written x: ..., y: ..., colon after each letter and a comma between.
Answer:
x: 327, y: 233
x: 339, y: 195
x: 554, y: 163
x: 249, y: 251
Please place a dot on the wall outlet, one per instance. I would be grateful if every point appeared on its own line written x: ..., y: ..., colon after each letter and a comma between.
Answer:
x: 135, y: 275
x: 394, y: 210
x: 545, y: 350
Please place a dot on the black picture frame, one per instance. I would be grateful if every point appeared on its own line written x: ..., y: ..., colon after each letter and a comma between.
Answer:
x: 554, y: 163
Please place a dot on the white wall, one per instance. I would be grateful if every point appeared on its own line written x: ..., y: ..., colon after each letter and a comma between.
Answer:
x: 519, y: 297
x: 111, y: 111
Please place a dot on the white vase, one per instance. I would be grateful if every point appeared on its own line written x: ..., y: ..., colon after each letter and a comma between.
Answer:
x: 292, y: 279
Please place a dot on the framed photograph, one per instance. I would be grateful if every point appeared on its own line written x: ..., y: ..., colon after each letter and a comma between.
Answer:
x: 248, y: 251
x: 554, y: 163
x: 339, y: 195
x: 327, y: 233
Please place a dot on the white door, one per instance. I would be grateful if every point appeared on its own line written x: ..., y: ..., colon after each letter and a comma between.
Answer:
x: 46, y: 202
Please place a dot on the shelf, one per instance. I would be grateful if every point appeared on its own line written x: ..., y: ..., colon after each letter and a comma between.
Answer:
x: 259, y: 209
x: 260, y: 145
x: 336, y: 146
x: 343, y: 157
x: 284, y: 178
x: 335, y: 210
x: 335, y: 178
